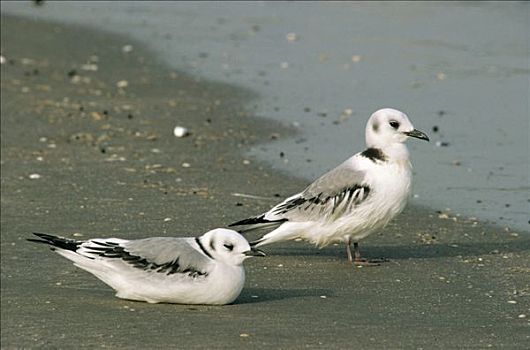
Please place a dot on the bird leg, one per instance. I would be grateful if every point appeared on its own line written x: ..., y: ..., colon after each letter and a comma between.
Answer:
x: 348, y: 250
x: 358, y: 261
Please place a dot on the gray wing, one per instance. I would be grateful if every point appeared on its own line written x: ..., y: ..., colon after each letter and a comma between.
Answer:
x: 167, y: 255
x: 334, y: 193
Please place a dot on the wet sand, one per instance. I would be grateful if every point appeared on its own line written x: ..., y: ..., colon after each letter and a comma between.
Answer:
x: 83, y: 155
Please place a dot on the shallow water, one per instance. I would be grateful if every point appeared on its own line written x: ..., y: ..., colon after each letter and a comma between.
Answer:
x: 460, y: 68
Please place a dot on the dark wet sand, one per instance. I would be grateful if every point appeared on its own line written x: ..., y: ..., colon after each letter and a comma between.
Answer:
x: 109, y: 165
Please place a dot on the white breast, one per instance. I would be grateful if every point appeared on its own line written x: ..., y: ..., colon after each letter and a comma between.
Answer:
x: 390, y: 185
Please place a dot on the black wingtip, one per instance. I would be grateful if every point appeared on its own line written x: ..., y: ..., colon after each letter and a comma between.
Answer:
x: 253, y: 244
x: 55, y: 242
x: 256, y: 220
x: 249, y: 221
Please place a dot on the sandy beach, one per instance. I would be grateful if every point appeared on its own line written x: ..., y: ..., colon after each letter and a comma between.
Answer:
x: 87, y: 150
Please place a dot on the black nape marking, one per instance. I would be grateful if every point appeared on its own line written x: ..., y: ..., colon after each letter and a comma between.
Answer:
x: 202, y: 248
x: 374, y: 154
x: 110, y: 250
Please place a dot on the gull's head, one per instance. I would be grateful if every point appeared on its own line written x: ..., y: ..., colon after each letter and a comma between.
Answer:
x: 389, y: 126
x: 228, y: 246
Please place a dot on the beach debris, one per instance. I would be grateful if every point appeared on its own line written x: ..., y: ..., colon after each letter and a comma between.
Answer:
x: 96, y: 116
x: 115, y: 158
x: 323, y: 57
x: 356, y: 58
x: 291, y: 37
x: 27, y: 61
x: 251, y: 196
x: 180, y: 131
x: 122, y: 84
x: 127, y: 48
x: 35, y: 176
x: 90, y: 67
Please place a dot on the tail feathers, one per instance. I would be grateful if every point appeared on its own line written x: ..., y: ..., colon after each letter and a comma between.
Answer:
x: 56, y: 242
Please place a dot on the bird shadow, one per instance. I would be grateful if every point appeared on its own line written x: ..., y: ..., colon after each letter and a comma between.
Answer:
x: 260, y: 295
x: 414, y: 251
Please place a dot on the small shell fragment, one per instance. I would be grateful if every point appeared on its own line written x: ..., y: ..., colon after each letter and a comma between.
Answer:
x: 127, y: 48
x: 122, y: 83
x: 291, y: 37
x: 35, y: 176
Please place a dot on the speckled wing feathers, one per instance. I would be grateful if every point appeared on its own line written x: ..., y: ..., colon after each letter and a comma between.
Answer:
x: 330, y: 195
x: 161, y: 254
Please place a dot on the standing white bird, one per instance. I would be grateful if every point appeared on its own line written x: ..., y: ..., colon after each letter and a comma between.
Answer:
x: 355, y: 199
x: 201, y: 270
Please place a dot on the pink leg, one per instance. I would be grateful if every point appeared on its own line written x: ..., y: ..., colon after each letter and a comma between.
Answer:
x: 358, y: 261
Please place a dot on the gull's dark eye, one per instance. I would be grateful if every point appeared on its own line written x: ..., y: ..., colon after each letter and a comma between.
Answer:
x: 229, y: 246
x: 394, y: 124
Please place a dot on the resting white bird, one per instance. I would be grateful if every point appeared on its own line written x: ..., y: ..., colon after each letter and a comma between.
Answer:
x: 201, y: 270
x: 355, y: 199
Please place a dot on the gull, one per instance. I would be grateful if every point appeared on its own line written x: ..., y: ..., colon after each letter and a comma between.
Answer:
x: 188, y: 270
x: 357, y: 198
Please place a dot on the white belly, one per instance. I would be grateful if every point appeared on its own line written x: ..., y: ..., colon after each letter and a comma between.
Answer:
x: 390, y: 190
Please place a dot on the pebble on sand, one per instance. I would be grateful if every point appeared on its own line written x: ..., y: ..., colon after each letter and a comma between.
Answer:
x: 180, y: 131
x: 35, y: 176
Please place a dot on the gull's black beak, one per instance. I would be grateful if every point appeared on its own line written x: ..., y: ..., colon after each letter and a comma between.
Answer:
x: 417, y: 134
x: 254, y: 252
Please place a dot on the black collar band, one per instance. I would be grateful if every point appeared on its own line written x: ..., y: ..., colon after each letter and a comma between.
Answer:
x: 202, y: 247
